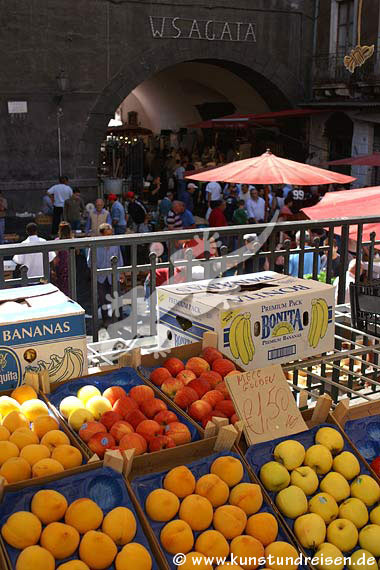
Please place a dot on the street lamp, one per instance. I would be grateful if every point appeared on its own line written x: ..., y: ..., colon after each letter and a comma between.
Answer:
x: 63, y: 85
x: 62, y: 81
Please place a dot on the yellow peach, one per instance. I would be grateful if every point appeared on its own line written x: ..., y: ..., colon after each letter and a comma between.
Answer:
x: 15, y: 469
x: 262, y: 526
x: 15, y: 420
x: 229, y: 469
x: 201, y: 562
x: 280, y: 552
x: 248, y: 549
x: 248, y: 497
x: 161, y: 505
x: 60, y: 539
x: 4, y: 433
x: 48, y: 505
x: 45, y: 467
x: 68, y: 456
x: 196, y: 511
x: 8, y: 405
x: 24, y: 393
x: 177, y: 536
x: 213, y: 488
x: 120, y: 525
x: 73, y: 565
x: 98, y: 405
x: 22, y: 437
x: 8, y: 450
x: 69, y: 404
x: 230, y: 521
x: 97, y: 550
x: 35, y: 557
x: 87, y: 392
x: 32, y: 409
x: 134, y: 556
x: 84, y: 515
x: 34, y: 452
x: 43, y: 424
x: 54, y: 438
x: 180, y: 481
x: 212, y: 544
x: 21, y: 530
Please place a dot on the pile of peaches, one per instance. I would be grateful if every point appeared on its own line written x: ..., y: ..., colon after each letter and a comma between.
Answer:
x: 120, y: 420
x: 198, y: 386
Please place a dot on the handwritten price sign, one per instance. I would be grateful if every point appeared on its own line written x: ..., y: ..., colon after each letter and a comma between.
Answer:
x: 265, y: 404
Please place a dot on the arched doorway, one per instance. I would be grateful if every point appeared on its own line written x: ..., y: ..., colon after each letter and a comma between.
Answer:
x: 339, y: 130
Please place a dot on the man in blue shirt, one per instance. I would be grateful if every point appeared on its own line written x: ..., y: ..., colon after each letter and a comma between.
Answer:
x: 103, y: 261
x: 307, y: 260
x: 187, y: 218
x: 119, y: 221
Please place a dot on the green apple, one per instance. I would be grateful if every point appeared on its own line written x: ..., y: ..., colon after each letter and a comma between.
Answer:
x: 305, y: 478
x: 347, y: 465
x: 325, y: 506
x: 355, y: 511
x: 330, y: 438
x: 366, y: 489
x: 319, y: 458
x: 274, y: 476
x: 362, y: 560
x: 292, y: 502
x: 343, y: 534
x: 328, y: 557
x: 374, y: 515
x: 310, y: 529
x: 289, y: 453
x: 335, y: 485
x: 369, y: 539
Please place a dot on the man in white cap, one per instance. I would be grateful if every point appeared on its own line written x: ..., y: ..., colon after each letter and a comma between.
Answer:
x: 187, y: 196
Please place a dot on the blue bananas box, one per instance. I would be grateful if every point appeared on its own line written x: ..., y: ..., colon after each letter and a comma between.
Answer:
x: 40, y: 328
x: 261, y: 319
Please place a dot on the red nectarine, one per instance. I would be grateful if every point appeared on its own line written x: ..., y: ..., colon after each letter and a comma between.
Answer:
x: 149, y: 429
x: 222, y: 388
x: 165, y: 417
x: 200, y: 386
x: 114, y: 393
x: 212, y: 377
x: 141, y: 393
x: 171, y: 386
x: 186, y: 376
x: 178, y: 432
x: 161, y: 442
x: 135, y: 417
x: 134, y: 441
x: 124, y: 406
x: 174, y: 365
x: 151, y: 407
x: 210, y: 354
x: 120, y: 429
x: 159, y: 375
x: 185, y: 396
x: 110, y: 418
x: 197, y: 365
x: 91, y: 428
x: 226, y: 406
x: 213, y: 397
x: 223, y: 366
x: 100, y: 442
x: 199, y: 409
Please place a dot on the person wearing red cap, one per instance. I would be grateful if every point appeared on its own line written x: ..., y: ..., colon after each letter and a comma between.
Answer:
x: 119, y: 221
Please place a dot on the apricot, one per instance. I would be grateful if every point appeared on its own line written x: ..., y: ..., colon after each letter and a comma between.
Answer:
x: 262, y: 526
x: 120, y: 525
x: 69, y: 404
x: 22, y: 437
x: 248, y: 497
x: 84, y: 515
x: 87, y: 392
x: 212, y: 543
x: 97, y: 550
x: 98, y: 405
x: 48, y: 506
x: 134, y: 556
x: 196, y: 511
x: 161, y: 505
x: 4, y: 433
x: 280, y: 552
x: 54, y: 438
x: 34, y: 452
x: 230, y: 521
x: 230, y: 566
x: 8, y: 450
x: 8, y: 405
x: 24, y: 393
x: 68, y: 456
x: 213, y: 488
x: 73, y: 565
x: 35, y: 557
x: 45, y: 467
x: 22, y: 529
x: 248, y: 549
x: 15, y: 469
x: 43, y: 424
x: 32, y: 409
x: 177, y: 536
x: 15, y: 420
x: 60, y: 539
x: 190, y: 564
x: 180, y: 481
x: 229, y: 469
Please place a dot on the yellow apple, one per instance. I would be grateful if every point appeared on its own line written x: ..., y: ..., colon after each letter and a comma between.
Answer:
x: 325, y: 506
x: 355, y: 511
x: 79, y: 417
x: 343, y: 534
x: 274, y: 476
x: 330, y: 438
x: 87, y: 392
x: 374, y: 515
x: 292, y: 502
x: 369, y: 539
x: 328, y: 551
x: 362, y: 560
x: 305, y: 478
x: 310, y: 530
x: 347, y: 465
x: 365, y: 488
x: 289, y: 453
x: 69, y: 404
x: 319, y: 458
x: 335, y: 485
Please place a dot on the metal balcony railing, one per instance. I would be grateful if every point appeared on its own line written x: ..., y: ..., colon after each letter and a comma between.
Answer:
x: 329, y: 68
x: 233, y: 257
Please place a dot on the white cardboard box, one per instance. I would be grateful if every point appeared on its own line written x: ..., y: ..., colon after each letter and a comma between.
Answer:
x: 261, y: 319
x: 40, y: 328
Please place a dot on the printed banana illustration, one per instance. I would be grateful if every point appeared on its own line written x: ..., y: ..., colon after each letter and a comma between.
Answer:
x: 60, y: 368
x: 240, y: 338
x: 319, y: 321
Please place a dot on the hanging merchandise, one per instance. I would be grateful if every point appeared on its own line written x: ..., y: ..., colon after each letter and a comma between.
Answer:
x: 360, y: 53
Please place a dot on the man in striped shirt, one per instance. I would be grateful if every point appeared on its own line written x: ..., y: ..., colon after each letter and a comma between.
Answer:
x: 173, y: 219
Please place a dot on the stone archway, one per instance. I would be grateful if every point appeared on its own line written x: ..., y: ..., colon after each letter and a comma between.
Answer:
x: 273, y: 80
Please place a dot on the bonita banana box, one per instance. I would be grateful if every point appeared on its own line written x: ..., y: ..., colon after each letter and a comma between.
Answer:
x: 261, y: 319
x: 40, y: 328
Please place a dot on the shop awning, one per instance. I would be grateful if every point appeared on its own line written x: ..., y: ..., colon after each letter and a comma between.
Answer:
x: 349, y: 204
x: 249, y: 119
x: 362, y: 160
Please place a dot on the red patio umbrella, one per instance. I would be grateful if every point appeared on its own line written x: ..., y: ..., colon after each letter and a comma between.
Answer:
x: 363, y: 160
x: 349, y: 204
x: 271, y: 169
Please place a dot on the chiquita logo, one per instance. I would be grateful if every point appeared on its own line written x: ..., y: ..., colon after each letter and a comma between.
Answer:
x: 10, y: 369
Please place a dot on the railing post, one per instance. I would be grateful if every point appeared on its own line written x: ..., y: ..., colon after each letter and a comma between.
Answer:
x: 153, y: 309
x: 117, y: 303
x: 72, y: 273
x: 343, y: 264
x: 94, y: 293
x: 371, y: 255
x: 24, y: 275
x: 316, y: 241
